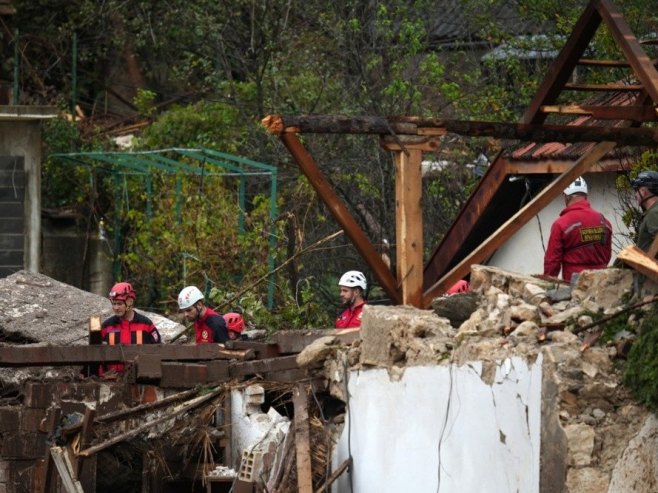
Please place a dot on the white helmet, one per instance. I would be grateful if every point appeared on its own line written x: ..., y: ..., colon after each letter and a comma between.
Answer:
x: 352, y: 279
x: 188, y: 296
x: 577, y: 186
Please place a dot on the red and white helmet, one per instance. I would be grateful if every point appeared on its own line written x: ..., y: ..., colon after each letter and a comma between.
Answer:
x: 234, y: 322
x: 188, y: 297
x: 353, y: 279
x: 121, y: 291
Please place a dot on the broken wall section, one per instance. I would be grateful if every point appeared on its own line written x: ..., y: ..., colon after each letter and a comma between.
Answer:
x: 441, y: 406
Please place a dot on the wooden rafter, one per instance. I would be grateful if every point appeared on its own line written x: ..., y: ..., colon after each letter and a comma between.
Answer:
x: 642, y: 65
x: 342, y: 214
x: 417, y: 126
x: 562, y: 68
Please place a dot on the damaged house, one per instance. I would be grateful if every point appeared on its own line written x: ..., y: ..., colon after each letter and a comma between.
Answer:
x: 502, y: 389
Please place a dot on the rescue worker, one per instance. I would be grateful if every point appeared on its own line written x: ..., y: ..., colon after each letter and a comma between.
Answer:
x: 646, y: 194
x: 235, y: 325
x: 209, y: 326
x: 126, y: 326
x: 352, y: 286
x: 581, y: 238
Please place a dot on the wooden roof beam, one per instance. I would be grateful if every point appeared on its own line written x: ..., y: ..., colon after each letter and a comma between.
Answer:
x: 289, y: 125
x: 561, y: 69
x: 520, y: 166
x: 633, y: 51
x: 342, y: 215
x: 630, y: 112
x: 603, y: 87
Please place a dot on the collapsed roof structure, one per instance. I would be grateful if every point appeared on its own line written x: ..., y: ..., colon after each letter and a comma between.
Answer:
x: 181, y: 410
x: 480, y: 228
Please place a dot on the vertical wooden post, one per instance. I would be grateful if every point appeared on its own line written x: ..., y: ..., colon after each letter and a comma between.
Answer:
x: 302, y: 439
x: 408, y: 155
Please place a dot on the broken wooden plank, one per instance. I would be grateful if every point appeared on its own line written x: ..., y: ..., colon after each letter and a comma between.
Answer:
x: 302, y: 439
x: 148, y: 367
x: 182, y: 375
x: 69, y: 484
x: 639, y: 261
x: 66, y: 355
x: 294, y: 341
x: 262, y: 350
x: 256, y: 367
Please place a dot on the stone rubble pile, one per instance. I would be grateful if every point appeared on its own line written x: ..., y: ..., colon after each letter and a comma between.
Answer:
x: 601, y: 439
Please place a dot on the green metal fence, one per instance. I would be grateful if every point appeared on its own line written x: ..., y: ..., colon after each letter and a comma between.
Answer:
x: 212, y: 163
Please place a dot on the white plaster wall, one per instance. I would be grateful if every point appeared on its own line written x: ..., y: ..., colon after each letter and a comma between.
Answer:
x: 442, y: 429
x: 524, y: 252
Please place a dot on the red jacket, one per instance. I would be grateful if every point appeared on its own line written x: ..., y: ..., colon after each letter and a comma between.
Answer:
x: 581, y: 238
x: 210, y: 328
x: 350, y: 318
x: 116, y: 330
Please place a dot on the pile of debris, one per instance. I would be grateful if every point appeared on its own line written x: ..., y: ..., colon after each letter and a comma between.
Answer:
x: 593, y: 433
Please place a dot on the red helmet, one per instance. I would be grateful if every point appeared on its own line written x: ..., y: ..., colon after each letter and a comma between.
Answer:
x: 459, y: 287
x: 234, y: 322
x: 121, y: 291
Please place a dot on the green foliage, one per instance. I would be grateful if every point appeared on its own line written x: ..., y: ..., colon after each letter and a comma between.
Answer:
x: 641, y: 374
x: 144, y: 101
x: 204, y: 124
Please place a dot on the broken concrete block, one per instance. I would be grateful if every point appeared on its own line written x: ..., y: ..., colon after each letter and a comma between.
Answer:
x: 524, y: 311
x: 512, y: 283
x: 315, y: 353
x: 403, y: 335
x: 604, y: 288
x: 580, y: 439
x: 527, y: 328
x: 534, y: 294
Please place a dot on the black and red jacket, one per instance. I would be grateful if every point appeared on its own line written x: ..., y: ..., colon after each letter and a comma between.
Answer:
x: 211, y: 327
x: 140, y: 330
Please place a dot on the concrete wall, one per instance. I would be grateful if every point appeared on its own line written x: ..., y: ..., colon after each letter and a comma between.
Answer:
x: 524, y: 252
x: 444, y: 429
x: 23, y: 139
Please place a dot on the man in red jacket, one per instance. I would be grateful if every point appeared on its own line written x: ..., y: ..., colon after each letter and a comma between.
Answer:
x: 581, y: 238
x: 209, y: 326
x: 126, y: 326
x: 352, y: 286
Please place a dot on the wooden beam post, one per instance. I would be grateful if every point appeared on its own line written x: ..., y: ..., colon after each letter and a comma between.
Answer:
x: 408, y: 154
x: 517, y: 221
x: 302, y: 439
x: 342, y: 215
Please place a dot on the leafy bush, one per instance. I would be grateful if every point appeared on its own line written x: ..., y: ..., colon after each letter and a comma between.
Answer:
x: 641, y: 374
